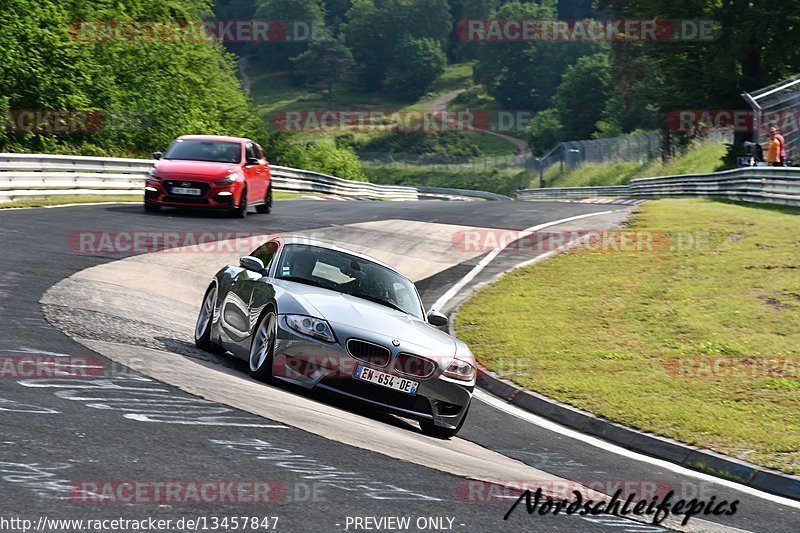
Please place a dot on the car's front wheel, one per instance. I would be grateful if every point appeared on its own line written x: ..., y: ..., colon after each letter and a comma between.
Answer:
x: 432, y: 430
x: 202, y: 330
x: 262, y: 346
x: 266, y: 207
x: 241, y: 211
x: 151, y: 207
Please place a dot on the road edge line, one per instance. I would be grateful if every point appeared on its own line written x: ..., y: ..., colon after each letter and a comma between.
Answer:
x: 685, y: 455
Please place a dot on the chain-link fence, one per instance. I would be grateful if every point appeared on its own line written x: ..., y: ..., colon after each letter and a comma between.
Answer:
x: 777, y: 105
x: 569, y: 154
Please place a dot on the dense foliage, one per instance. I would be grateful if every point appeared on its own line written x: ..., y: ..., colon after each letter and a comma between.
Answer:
x: 144, y: 92
x: 366, y: 53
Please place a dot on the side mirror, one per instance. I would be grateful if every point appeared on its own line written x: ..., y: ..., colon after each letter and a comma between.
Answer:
x: 157, y: 155
x: 436, y: 318
x: 252, y: 161
x: 252, y: 263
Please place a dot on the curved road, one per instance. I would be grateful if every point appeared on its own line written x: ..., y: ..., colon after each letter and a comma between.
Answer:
x: 67, y: 438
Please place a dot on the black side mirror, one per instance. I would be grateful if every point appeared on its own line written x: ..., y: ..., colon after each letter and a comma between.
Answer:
x: 157, y: 155
x: 252, y: 161
x: 436, y: 318
x: 252, y: 263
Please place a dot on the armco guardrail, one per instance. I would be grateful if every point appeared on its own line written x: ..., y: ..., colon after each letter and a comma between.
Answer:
x: 465, y: 192
x: 616, y: 191
x: 36, y: 175
x: 773, y: 185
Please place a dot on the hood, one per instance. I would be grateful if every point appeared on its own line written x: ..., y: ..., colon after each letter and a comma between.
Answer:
x: 347, y: 313
x: 196, y: 170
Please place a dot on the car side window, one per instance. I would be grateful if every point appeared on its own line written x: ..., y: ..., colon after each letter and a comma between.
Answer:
x: 250, y: 151
x: 259, y: 152
x: 266, y: 252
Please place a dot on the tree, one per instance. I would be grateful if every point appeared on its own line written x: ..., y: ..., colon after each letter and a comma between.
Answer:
x: 545, y: 130
x: 300, y: 19
x: 146, y: 91
x: 582, y: 95
x: 525, y: 75
x: 758, y: 45
x: 418, y: 63
x: 326, y: 63
x: 376, y: 27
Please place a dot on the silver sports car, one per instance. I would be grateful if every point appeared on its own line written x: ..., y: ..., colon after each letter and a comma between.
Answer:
x: 322, y: 317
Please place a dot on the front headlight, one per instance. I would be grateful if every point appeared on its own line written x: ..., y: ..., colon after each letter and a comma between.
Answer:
x: 226, y: 180
x: 151, y: 174
x: 313, y: 327
x: 460, y: 370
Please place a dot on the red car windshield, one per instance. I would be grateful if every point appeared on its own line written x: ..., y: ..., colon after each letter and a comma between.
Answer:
x: 199, y: 150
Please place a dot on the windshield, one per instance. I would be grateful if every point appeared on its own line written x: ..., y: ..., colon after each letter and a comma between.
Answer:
x: 198, y: 150
x: 349, y: 274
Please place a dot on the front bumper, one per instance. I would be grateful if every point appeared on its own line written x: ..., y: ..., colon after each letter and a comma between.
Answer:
x: 330, y: 367
x: 212, y: 196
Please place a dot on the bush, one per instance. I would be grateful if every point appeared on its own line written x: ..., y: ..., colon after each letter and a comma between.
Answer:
x: 416, y: 65
x: 425, y: 143
x: 545, y: 130
x: 325, y: 157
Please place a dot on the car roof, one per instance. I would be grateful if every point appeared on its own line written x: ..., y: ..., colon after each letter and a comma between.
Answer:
x: 215, y: 138
x: 299, y: 239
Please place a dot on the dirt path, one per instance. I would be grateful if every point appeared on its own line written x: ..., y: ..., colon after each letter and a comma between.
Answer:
x: 247, y: 81
x: 441, y: 102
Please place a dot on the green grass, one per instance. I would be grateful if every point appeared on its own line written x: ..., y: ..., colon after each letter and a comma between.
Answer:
x: 490, y: 145
x: 61, y: 200
x: 457, y: 76
x: 699, y: 159
x: 605, y: 331
x: 84, y: 199
x: 474, y: 98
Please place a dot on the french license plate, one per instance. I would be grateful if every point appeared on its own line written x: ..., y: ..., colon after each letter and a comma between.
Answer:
x: 185, y: 190
x: 386, y: 380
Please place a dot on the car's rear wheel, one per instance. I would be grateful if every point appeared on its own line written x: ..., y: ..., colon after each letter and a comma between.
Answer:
x: 263, y: 345
x: 151, y: 207
x: 241, y: 211
x: 432, y: 430
x: 266, y: 207
x: 202, y: 330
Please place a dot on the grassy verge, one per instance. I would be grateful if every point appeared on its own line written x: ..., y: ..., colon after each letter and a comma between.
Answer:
x: 697, y: 342
x: 491, y: 145
x: 87, y: 199
x: 702, y: 158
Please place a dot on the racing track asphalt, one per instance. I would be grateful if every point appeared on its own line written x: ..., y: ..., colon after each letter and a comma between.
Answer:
x: 58, y: 432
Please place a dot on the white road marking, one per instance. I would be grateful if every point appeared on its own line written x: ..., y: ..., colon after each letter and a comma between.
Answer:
x: 513, y: 410
x: 483, y: 263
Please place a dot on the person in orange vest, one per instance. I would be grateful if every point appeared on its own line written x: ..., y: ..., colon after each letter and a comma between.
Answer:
x: 773, y: 149
x: 782, y: 141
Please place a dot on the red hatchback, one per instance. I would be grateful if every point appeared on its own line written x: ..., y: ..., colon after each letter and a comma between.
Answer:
x: 210, y: 171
